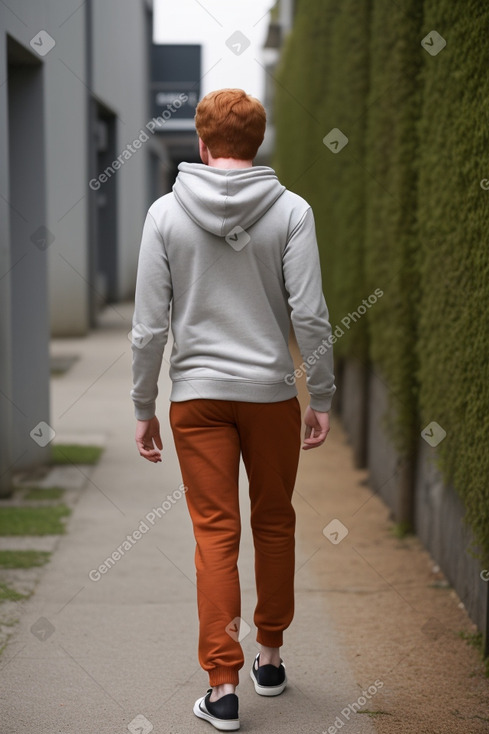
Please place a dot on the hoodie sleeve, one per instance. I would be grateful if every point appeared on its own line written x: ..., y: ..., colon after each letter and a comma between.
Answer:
x: 309, y: 314
x: 151, y: 319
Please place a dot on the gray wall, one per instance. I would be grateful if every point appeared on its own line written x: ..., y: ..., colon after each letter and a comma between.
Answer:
x: 120, y: 79
x: 354, y: 396
x: 53, y: 74
x: 437, y: 511
x: 28, y: 276
x: 382, y: 460
x: 24, y: 325
x: 66, y: 148
x: 440, y: 525
x: 115, y: 74
x: 6, y: 445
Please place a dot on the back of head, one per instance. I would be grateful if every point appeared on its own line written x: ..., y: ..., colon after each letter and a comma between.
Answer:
x: 231, y: 123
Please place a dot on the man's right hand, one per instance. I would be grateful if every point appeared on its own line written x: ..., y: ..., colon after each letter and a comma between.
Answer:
x: 317, y: 428
x: 148, y: 440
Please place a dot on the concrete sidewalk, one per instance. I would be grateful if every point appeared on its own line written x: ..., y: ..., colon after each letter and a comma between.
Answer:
x: 121, y: 652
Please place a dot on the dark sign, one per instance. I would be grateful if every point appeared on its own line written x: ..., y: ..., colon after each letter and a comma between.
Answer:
x: 175, y: 85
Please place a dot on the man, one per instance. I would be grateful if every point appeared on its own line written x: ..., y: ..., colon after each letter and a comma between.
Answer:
x: 235, y: 255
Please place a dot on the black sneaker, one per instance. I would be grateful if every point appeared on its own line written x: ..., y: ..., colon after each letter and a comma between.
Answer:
x: 268, y: 679
x: 222, y: 714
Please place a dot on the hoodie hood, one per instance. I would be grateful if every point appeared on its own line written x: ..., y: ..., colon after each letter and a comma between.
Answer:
x: 218, y: 199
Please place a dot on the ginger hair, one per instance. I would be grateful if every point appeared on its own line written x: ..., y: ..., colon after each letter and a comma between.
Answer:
x: 231, y: 124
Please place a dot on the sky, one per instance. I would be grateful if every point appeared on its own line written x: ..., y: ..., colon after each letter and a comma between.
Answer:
x: 232, y: 34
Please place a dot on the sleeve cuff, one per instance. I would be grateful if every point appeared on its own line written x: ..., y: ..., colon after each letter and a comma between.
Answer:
x: 145, y: 412
x: 321, y: 404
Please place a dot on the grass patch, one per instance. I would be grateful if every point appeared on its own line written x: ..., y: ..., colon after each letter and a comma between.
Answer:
x: 23, y: 558
x: 50, y: 493
x: 475, y: 640
x: 33, y: 520
x: 401, y: 530
x: 64, y: 453
x: 9, y: 594
x: 441, y: 584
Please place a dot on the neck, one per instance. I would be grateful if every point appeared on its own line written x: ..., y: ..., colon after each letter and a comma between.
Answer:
x: 228, y: 163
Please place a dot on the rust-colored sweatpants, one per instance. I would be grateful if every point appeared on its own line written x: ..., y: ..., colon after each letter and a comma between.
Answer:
x: 209, y: 437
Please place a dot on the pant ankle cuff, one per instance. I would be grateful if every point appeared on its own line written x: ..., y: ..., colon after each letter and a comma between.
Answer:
x: 270, y: 639
x: 218, y: 676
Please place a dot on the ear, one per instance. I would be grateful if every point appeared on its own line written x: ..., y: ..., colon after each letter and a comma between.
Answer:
x: 203, y: 152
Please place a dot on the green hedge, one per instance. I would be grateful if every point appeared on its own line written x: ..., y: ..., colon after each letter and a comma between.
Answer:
x: 453, y: 262
x: 315, y: 94
x: 391, y: 243
x: 401, y: 208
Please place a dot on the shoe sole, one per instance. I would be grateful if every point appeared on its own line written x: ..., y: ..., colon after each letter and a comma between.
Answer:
x: 268, y: 690
x: 221, y: 724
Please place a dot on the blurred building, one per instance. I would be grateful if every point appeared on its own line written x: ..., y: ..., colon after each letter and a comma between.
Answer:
x: 176, y: 71
x: 78, y: 157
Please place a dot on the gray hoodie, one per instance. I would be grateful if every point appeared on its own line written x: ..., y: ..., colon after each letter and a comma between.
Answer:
x: 235, y: 256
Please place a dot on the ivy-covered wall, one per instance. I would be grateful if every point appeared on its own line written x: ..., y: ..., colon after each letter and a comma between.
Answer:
x: 315, y: 94
x: 401, y: 207
x: 390, y: 234
x: 453, y: 257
